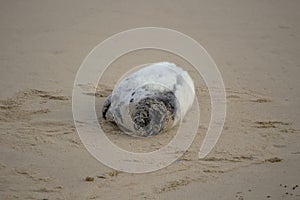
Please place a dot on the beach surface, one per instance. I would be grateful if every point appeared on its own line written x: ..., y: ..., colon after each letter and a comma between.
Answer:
x: 256, y: 46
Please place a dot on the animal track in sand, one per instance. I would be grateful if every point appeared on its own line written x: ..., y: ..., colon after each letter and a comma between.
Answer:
x: 273, y: 160
x: 25, y: 123
x: 270, y: 124
x: 101, y: 90
x: 233, y: 159
x: 246, y: 95
x: 27, y: 103
x: 213, y: 171
x: 173, y: 185
x: 31, y: 175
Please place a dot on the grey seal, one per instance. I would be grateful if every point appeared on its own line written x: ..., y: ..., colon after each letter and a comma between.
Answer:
x: 150, y: 100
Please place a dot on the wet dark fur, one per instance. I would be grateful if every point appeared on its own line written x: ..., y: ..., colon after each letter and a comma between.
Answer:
x: 153, y: 114
x: 106, y: 106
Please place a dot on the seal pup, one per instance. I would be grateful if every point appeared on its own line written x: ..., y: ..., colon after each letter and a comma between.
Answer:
x: 150, y: 100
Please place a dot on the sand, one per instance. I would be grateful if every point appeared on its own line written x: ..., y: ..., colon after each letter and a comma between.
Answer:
x: 256, y: 46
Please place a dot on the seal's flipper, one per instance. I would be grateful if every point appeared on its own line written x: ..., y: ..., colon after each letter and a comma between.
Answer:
x: 106, y: 106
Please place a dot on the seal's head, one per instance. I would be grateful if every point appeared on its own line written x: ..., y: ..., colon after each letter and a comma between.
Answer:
x: 153, y: 113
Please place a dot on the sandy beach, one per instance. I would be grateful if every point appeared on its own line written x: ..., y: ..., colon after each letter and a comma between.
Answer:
x: 256, y: 47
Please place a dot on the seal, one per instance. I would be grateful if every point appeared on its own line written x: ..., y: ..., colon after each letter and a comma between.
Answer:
x: 150, y: 100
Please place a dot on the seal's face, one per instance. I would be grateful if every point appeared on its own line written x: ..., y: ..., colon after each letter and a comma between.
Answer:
x: 153, y: 114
